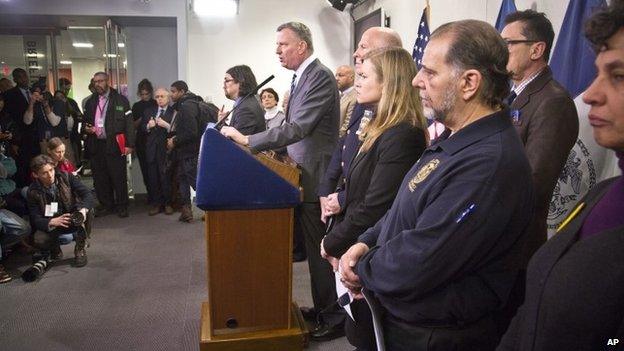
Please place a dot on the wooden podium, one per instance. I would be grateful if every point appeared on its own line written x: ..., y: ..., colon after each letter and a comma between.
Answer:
x: 249, y: 205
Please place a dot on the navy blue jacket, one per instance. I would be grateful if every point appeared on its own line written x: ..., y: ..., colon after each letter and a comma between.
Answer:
x: 447, y: 252
x: 343, y: 155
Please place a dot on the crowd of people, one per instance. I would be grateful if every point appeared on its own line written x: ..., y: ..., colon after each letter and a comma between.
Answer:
x: 446, y: 232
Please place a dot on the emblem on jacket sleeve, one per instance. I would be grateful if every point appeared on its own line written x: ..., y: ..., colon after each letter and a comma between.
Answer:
x: 423, y: 173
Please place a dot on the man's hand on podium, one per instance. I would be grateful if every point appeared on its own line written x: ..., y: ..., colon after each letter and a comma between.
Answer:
x: 235, y: 135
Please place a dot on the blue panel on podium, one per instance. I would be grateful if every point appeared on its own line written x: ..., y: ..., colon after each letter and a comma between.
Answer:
x: 229, y: 178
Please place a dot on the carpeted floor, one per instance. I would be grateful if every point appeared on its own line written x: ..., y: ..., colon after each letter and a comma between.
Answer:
x: 141, y: 290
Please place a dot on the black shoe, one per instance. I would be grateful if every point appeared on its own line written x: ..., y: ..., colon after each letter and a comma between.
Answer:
x: 309, y: 314
x: 122, y: 213
x: 326, y: 332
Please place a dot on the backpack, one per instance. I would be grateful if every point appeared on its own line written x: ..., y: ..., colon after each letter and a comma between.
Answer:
x: 208, y: 113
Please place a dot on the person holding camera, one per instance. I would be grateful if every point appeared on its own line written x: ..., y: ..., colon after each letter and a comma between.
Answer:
x: 44, y: 114
x: 59, y: 204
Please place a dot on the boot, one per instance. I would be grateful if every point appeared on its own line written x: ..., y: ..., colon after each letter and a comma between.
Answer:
x: 186, y: 215
x: 56, y: 254
x: 80, y: 253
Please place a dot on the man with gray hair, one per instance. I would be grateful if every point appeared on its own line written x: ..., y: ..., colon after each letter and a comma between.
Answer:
x: 309, y: 133
x: 444, y: 258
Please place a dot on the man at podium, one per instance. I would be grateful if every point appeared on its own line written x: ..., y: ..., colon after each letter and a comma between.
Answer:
x: 309, y: 132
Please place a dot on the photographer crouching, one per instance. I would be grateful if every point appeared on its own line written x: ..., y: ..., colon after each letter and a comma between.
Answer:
x: 59, y: 204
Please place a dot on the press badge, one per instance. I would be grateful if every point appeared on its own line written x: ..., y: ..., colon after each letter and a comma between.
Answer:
x: 51, y: 209
x: 515, y: 117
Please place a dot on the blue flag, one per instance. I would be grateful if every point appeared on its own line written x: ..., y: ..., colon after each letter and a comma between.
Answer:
x: 572, y: 61
x: 507, y: 7
x: 421, y: 39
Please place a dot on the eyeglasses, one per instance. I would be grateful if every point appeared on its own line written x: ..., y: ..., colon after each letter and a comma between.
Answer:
x: 510, y: 42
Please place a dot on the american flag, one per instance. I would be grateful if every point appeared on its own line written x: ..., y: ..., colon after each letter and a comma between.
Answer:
x: 422, y: 39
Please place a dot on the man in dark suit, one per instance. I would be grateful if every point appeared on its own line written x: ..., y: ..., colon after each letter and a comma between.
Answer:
x: 24, y: 144
x: 541, y: 110
x: 310, y: 133
x: 248, y: 117
x: 156, y: 124
x: 108, y: 124
x: 575, y: 281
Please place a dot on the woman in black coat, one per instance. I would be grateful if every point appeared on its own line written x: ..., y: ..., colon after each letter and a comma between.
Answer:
x: 391, y: 140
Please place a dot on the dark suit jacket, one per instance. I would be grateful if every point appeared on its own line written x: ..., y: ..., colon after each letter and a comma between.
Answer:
x: 344, y: 152
x: 310, y: 131
x: 248, y: 118
x: 372, y: 184
x: 117, y: 121
x: 155, y: 138
x: 548, y: 126
x: 15, y: 105
x: 575, y: 290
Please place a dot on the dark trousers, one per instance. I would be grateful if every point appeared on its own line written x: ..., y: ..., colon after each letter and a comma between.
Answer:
x: 321, y: 274
x: 360, y: 332
x: 109, y: 177
x: 159, y: 189
x: 187, y: 178
x: 143, y: 165
x: 401, y: 336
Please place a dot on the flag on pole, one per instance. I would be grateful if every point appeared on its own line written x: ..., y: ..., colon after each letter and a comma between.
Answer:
x: 507, y: 7
x: 572, y: 63
x: 422, y: 38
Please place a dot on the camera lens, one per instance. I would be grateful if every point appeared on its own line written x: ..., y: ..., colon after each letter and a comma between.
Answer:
x: 77, y: 218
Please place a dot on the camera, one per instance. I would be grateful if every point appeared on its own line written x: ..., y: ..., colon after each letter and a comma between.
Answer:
x: 41, y: 263
x: 77, y: 218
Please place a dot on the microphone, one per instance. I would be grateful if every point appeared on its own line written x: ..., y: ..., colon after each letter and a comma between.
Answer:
x: 221, y: 122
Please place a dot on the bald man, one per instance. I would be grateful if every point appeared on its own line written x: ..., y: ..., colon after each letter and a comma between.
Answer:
x: 332, y: 192
x: 345, y: 76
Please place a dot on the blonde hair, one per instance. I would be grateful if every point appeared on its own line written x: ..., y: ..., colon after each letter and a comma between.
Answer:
x: 399, y: 101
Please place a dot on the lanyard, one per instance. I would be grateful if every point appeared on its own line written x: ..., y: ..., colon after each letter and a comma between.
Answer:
x: 102, y: 108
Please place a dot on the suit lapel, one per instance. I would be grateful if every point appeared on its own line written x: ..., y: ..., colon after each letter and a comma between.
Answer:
x: 569, y: 235
x: 535, y: 86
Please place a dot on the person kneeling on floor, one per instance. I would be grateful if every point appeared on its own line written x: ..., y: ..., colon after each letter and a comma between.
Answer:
x: 59, y: 204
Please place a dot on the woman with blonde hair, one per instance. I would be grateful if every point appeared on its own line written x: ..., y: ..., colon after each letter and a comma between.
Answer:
x: 392, y: 137
x: 56, y: 150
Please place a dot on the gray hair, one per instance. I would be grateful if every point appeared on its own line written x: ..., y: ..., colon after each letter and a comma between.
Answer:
x: 477, y: 45
x: 301, y: 30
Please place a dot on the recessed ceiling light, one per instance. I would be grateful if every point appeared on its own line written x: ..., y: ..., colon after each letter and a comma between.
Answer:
x: 84, y: 27
x: 35, y: 55
x: 109, y: 55
x: 215, y: 8
x: 82, y: 45
x: 121, y: 45
x: 64, y: 62
x: 35, y: 67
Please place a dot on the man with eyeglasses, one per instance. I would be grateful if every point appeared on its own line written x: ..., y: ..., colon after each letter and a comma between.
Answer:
x: 543, y: 114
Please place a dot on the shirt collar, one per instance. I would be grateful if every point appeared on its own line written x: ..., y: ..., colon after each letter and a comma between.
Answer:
x: 302, y: 67
x: 520, y: 87
x: 472, y: 133
x: 346, y: 91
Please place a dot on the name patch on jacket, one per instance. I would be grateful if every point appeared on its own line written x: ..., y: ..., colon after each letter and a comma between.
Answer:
x: 423, y: 173
x: 119, y: 108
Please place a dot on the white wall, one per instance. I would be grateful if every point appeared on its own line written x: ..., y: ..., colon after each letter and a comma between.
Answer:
x: 152, y: 54
x: 405, y: 14
x: 249, y: 38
